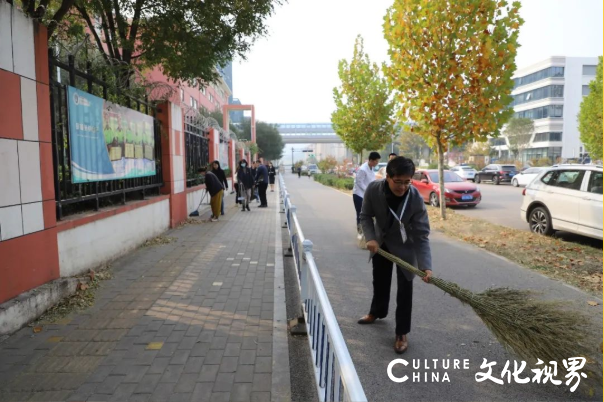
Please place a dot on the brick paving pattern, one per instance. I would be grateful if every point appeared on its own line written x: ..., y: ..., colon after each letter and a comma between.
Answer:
x: 187, y: 321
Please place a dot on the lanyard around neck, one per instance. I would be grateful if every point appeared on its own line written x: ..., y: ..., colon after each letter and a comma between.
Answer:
x: 400, y: 218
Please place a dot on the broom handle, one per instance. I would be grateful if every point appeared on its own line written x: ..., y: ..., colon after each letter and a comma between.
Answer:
x: 403, y: 264
x: 464, y: 295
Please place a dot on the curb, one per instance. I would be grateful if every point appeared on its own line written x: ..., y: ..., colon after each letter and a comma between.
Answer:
x: 281, y: 383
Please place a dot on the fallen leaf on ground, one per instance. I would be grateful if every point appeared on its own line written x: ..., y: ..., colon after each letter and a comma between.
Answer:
x: 37, y: 330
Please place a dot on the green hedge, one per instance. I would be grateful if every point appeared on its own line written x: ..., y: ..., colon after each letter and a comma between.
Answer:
x: 334, y: 181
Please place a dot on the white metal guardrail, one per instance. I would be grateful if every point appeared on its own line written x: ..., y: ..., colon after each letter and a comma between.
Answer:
x: 335, y: 375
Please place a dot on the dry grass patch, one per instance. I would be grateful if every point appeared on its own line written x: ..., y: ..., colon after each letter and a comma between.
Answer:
x: 575, y: 264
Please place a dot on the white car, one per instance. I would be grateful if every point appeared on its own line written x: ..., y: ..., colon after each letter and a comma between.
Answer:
x: 313, y: 169
x: 527, y: 176
x: 566, y: 197
x: 465, y: 172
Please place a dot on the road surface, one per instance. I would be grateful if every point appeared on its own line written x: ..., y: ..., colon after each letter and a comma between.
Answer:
x: 442, y: 327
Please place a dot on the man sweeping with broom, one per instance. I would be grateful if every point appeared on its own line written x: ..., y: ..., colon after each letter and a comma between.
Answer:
x: 401, y: 228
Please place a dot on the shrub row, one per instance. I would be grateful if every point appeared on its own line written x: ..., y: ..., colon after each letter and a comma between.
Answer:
x: 332, y: 180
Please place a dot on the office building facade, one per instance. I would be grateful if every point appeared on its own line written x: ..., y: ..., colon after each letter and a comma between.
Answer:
x: 550, y: 93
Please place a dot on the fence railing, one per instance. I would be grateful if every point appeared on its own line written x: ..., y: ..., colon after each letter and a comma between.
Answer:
x: 335, y: 374
x: 72, y: 197
x: 197, y: 147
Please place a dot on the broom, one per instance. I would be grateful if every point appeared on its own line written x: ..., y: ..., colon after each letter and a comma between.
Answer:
x: 530, y: 328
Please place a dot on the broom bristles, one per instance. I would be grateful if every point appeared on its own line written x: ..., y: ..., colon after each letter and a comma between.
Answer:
x: 530, y: 328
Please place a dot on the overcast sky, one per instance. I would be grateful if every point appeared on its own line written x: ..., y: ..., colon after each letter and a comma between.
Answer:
x: 289, y: 75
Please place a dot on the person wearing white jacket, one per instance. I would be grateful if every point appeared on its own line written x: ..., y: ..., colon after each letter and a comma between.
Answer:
x: 364, y: 176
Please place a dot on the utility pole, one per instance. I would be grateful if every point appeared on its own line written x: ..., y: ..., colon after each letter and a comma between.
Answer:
x: 292, y: 156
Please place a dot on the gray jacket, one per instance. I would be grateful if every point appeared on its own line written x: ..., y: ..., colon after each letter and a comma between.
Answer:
x: 375, y: 218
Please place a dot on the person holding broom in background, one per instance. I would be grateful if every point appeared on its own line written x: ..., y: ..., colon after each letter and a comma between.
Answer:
x: 401, y: 228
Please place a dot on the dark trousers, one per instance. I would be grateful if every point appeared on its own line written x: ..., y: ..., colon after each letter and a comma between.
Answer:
x: 382, y: 278
x: 262, y: 192
x: 358, y: 203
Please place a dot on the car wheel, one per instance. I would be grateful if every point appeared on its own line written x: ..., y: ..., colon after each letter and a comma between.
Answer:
x: 540, y: 222
x: 434, y: 201
x: 514, y: 182
x: 496, y: 180
x: 477, y: 180
x: 473, y: 180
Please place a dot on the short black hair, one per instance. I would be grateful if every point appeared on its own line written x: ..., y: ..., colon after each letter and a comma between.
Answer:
x: 400, y: 166
x: 202, y: 169
x: 374, y: 156
x: 392, y: 154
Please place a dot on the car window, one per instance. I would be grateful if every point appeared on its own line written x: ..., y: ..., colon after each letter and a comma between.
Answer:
x: 570, y: 179
x: 424, y: 177
x: 532, y: 171
x: 449, y: 177
x: 595, y: 183
x: 509, y: 168
x: 548, y: 177
x: 417, y: 176
x: 467, y: 168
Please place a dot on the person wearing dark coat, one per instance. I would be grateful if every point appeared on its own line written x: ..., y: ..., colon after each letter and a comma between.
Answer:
x: 217, y: 170
x: 271, y: 176
x: 261, y: 180
x: 245, y: 183
x: 394, y: 218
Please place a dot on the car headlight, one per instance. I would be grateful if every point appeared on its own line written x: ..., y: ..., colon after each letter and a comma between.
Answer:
x: 448, y: 191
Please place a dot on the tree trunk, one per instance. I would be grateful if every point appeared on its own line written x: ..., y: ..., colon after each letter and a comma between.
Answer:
x: 441, y: 180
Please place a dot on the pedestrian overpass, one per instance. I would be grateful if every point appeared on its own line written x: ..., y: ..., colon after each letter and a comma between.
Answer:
x: 308, y: 133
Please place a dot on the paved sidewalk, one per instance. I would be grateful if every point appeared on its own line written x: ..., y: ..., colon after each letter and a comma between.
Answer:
x: 192, y: 320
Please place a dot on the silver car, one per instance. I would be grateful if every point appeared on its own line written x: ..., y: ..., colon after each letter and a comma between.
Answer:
x: 465, y: 172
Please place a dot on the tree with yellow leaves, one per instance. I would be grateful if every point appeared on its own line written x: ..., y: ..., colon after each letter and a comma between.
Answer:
x: 451, y: 67
x: 363, y: 118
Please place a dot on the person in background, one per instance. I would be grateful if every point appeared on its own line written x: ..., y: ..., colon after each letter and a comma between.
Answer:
x: 299, y: 171
x: 364, y: 176
x: 395, y: 219
x: 271, y: 176
x: 217, y: 170
x: 392, y: 156
x: 245, y: 181
x: 255, y: 188
x: 261, y: 180
x: 214, y: 187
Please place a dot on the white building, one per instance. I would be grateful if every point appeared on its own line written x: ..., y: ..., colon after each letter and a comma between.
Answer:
x: 550, y: 92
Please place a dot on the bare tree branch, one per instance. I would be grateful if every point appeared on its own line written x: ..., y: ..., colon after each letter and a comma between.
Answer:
x: 99, y: 42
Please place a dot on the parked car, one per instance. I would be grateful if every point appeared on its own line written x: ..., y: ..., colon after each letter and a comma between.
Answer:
x: 496, y: 174
x: 457, y: 190
x: 464, y: 171
x: 567, y: 198
x: 313, y: 169
x: 525, y: 176
x: 380, y: 170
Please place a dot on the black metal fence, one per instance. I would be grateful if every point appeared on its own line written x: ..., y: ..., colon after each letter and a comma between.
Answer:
x: 197, y: 148
x: 70, y: 197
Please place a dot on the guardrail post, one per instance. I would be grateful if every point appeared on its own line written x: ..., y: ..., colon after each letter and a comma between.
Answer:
x: 307, y: 245
x: 298, y: 326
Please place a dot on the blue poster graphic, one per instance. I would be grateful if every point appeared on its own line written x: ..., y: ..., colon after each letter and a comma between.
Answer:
x: 108, y: 141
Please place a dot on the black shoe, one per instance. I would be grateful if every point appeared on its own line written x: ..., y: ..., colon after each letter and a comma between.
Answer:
x: 242, y: 209
x: 248, y: 208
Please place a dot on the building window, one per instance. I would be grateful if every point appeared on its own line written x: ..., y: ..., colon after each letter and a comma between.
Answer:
x: 550, y: 91
x: 539, y: 75
x: 541, y: 112
x: 545, y: 137
x: 182, y: 95
x: 589, y: 70
x: 495, y: 142
x: 203, y: 90
x: 192, y: 101
x: 585, y: 90
x: 551, y: 153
